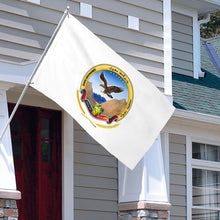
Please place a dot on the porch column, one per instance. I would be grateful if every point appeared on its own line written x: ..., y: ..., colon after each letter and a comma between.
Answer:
x: 143, y: 191
x: 8, y: 192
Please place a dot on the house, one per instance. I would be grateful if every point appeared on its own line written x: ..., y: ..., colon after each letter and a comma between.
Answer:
x: 58, y: 169
x: 195, y: 164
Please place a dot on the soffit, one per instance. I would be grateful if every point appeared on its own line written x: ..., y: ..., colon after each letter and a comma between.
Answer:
x: 203, y: 6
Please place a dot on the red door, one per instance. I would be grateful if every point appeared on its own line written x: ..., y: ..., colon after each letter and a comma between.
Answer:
x: 36, y: 142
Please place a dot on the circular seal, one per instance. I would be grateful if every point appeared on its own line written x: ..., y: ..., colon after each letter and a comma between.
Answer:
x: 107, y: 93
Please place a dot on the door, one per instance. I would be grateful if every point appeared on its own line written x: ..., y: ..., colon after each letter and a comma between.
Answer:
x: 36, y: 142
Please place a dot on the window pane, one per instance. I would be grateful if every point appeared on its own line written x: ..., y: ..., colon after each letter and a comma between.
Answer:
x: 199, y: 186
x: 206, y: 190
x: 199, y: 179
x: 213, y: 153
x: 206, y: 152
x: 198, y: 151
x: 212, y: 188
x: 46, y: 151
x: 45, y: 128
x: 202, y: 214
x: 16, y: 127
x: 17, y: 149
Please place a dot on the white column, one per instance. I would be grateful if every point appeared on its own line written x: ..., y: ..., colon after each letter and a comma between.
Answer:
x: 196, y: 46
x: 167, y: 24
x: 7, y: 172
x: 147, y: 181
x: 67, y: 170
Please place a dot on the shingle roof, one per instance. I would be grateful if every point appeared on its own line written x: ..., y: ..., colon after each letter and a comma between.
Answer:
x: 200, y: 95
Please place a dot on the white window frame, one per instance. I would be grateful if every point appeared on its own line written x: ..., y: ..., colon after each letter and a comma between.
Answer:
x: 198, y: 164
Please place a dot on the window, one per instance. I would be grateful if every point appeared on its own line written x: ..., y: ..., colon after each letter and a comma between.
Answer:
x: 46, y: 140
x: 205, y: 181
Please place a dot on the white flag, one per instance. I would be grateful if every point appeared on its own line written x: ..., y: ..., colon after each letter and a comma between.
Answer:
x: 119, y: 107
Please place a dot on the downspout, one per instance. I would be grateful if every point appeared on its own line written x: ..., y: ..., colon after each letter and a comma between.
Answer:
x: 205, y: 20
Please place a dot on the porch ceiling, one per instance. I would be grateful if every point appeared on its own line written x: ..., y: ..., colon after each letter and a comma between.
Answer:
x: 203, y: 6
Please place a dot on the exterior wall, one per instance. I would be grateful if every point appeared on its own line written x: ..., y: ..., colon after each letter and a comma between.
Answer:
x: 95, y: 177
x: 182, y: 33
x: 177, y: 155
x: 26, y: 29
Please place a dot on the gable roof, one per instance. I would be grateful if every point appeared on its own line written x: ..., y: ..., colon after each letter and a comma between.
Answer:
x: 200, y: 95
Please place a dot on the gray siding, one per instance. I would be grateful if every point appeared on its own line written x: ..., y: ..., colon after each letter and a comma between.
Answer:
x: 177, y: 157
x: 95, y: 179
x: 182, y: 33
x: 26, y: 29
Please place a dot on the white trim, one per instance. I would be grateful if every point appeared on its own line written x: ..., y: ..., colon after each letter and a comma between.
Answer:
x: 85, y: 10
x: 7, y: 171
x: 216, y: 2
x: 34, y: 1
x: 15, y: 73
x: 133, y: 22
x: 197, y: 116
x: 67, y: 167
x: 205, y: 207
x: 174, y: 131
x: 198, y: 164
x: 196, y: 46
x: 195, y: 4
x: 167, y: 18
x: 205, y: 165
x: 206, y: 140
x: 166, y: 155
x: 189, y: 176
x: 205, y: 20
x: 166, y: 158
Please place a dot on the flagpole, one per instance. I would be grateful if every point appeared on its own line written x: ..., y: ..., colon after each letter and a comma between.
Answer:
x: 66, y: 12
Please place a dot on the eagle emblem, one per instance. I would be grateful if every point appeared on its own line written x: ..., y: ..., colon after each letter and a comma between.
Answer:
x: 106, y: 95
x: 109, y: 89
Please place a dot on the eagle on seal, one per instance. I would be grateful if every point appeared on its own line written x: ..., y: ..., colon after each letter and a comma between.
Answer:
x: 109, y: 89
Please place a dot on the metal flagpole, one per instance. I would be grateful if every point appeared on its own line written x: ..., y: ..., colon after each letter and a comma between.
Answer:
x: 34, y: 71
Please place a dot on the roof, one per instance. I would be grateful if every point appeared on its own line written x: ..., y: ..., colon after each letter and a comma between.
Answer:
x: 200, y: 95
